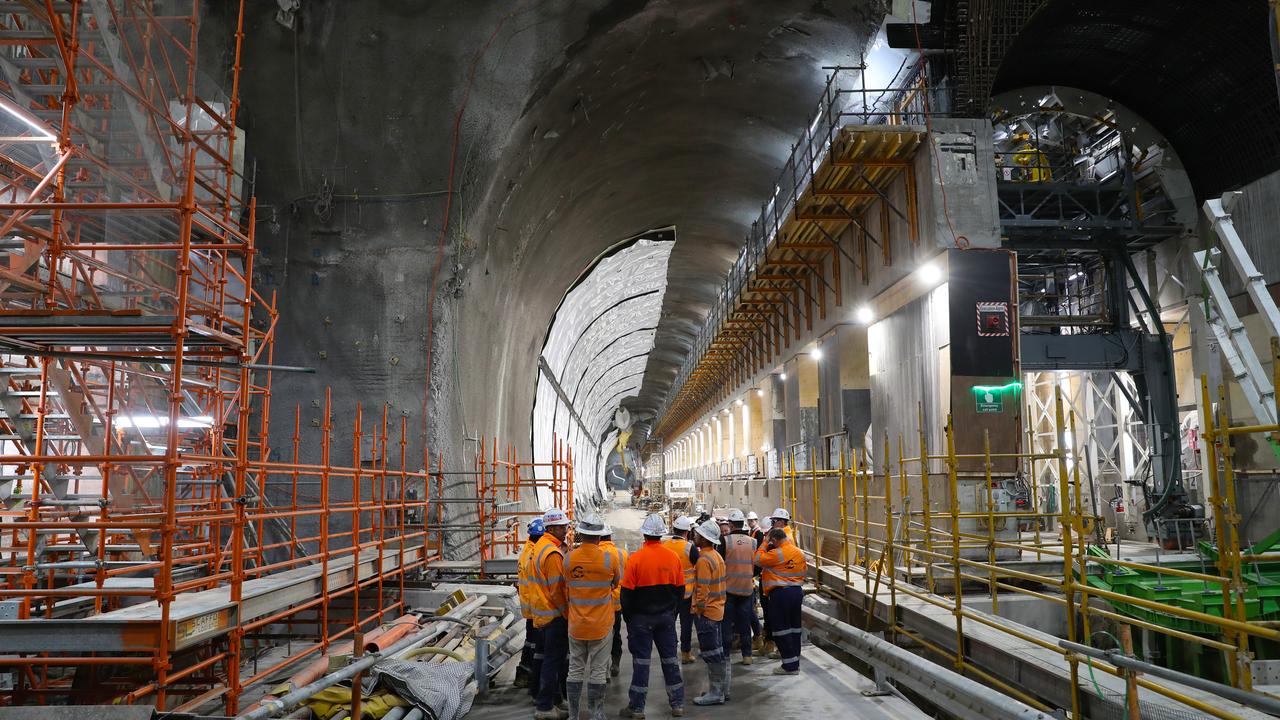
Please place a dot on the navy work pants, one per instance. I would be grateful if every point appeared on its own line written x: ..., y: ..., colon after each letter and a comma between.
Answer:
x: 684, y: 610
x: 555, y: 663
x: 643, y: 633
x: 784, y: 618
x: 531, y: 658
x: 738, y: 611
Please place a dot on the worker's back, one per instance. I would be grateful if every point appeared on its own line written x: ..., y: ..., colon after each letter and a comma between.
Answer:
x: 591, y: 573
x: 523, y: 568
x: 653, y: 581
x: 781, y: 566
x: 683, y: 549
x: 620, y: 556
x: 739, y: 560
x: 546, y: 581
x: 709, y: 585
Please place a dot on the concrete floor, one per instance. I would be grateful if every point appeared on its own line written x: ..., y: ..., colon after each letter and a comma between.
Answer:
x: 825, y: 687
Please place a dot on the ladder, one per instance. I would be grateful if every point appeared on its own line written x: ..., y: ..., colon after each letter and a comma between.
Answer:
x: 1221, y: 317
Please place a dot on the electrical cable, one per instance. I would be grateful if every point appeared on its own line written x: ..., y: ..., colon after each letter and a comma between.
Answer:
x: 448, y: 204
x: 928, y: 126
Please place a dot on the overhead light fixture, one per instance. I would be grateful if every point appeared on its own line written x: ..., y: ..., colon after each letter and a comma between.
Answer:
x: 739, y: 402
x: 782, y: 376
x: 864, y: 315
x: 816, y: 354
x: 21, y: 115
x: 929, y: 274
x: 725, y: 411
x: 759, y: 392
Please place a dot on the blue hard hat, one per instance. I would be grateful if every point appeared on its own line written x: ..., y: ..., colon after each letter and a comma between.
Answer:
x: 536, y: 528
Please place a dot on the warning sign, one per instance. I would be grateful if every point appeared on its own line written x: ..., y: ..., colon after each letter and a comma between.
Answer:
x: 988, y: 401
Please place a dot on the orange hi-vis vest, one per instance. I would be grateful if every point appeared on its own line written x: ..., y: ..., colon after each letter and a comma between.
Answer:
x: 591, y: 574
x: 621, y: 556
x: 782, y: 566
x: 523, y: 568
x: 546, y: 581
x: 681, y: 547
x: 708, y: 585
x: 739, y: 563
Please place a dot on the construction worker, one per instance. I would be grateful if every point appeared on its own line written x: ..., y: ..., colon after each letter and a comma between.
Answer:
x: 680, y: 544
x: 591, y: 574
x: 782, y: 519
x: 531, y: 656
x: 740, y: 608
x: 757, y: 533
x: 615, y: 655
x: 782, y: 567
x: 549, y: 605
x: 708, y: 613
x: 652, y: 587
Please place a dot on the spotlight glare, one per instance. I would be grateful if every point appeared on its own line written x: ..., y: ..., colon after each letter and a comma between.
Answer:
x: 864, y: 315
x: 929, y: 274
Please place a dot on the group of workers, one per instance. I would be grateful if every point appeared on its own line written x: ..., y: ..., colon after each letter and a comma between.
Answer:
x: 698, y: 578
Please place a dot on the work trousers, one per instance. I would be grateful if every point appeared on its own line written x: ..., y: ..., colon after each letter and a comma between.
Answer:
x: 784, y: 617
x: 684, y: 610
x: 589, y: 660
x: 616, y: 655
x: 710, y: 647
x: 643, y: 633
x: 555, y: 655
x: 755, y: 620
x: 533, y: 645
x: 738, y: 611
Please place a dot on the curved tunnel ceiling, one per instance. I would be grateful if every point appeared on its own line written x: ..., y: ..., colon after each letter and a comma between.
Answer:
x: 1201, y: 72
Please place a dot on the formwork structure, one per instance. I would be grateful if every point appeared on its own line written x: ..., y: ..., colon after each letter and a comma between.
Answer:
x: 152, y: 542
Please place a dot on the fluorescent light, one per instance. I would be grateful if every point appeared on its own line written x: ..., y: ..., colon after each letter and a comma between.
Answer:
x: 154, y: 422
x: 929, y: 274
x: 1075, y: 275
x: 864, y: 315
x: 45, y: 134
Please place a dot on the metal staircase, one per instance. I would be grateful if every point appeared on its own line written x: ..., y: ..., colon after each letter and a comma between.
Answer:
x: 1232, y: 336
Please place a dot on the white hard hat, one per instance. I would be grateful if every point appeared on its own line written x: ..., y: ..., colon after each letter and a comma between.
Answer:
x: 683, y: 523
x: 554, y: 516
x: 653, y: 526
x: 780, y: 514
x: 736, y: 516
x: 593, y: 524
x: 710, y: 530
x: 752, y: 515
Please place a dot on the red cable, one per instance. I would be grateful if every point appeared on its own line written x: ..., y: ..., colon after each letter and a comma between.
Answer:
x: 928, y: 126
x: 448, y: 205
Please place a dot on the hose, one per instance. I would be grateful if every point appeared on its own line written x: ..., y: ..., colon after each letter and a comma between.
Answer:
x: 418, y: 652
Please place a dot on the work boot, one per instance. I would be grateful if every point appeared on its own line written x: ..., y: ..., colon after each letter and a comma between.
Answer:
x: 522, y: 678
x: 595, y: 701
x: 613, y: 669
x: 773, y: 652
x: 686, y: 658
x: 784, y: 671
x: 728, y: 679
x: 677, y: 711
x: 628, y: 714
x: 747, y: 660
x: 715, y: 694
x: 554, y: 713
x: 757, y: 644
x: 574, y: 691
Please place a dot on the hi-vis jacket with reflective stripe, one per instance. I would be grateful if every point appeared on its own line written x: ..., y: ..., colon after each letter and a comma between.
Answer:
x: 739, y: 558
x: 782, y: 566
x: 684, y: 550
x: 621, y: 556
x: 523, y: 568
x: 708, y: 586
x: 546, y: 581
x: 591, y: 574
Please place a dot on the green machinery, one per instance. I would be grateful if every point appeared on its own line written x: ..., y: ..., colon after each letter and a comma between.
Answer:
x: 1262, y: 603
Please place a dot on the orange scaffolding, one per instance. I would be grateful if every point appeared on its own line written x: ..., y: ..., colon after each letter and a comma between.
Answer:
x: 150, y: 545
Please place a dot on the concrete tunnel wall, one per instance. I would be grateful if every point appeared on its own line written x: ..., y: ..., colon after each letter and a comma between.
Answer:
x: 586, y: 122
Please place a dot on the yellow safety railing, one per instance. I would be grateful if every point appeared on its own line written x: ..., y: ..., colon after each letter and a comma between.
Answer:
x: 884, y: 540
